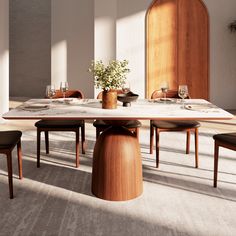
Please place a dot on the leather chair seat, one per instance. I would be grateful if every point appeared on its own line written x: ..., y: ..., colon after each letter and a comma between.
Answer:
x: 162, y: 124
x: 229, y: 138
x: 9, y: 139
x: 128, y: 125
x: 59, y: 123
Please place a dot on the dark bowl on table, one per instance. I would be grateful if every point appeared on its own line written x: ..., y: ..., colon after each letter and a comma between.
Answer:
x: 127, y: 98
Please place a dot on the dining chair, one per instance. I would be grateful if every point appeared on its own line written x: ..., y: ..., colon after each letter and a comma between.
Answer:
x: 8, y: 141
x: 131, y: 125
x: 226, y: 140
x: 61, y: 125
x: 172, y: 126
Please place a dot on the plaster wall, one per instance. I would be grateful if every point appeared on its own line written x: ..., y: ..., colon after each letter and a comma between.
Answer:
x: 73, y: 44
x: 105, y: 32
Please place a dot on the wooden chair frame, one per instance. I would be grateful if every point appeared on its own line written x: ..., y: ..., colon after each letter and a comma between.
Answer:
x: 216, y: 157
x: 46, y: 130
x: 171, y: 94
x: 8, y: 153
x: 59, y: 94
x: 187, y: 130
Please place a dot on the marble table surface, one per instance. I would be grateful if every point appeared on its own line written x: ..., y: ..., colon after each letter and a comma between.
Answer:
x: 197, y: 109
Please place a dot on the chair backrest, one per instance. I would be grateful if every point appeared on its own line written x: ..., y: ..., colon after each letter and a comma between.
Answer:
x: 169, y: 94
x: 99, y: 96
x: 69, y: 94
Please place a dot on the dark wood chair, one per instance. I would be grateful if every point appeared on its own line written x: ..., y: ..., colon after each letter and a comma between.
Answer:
x: 8, y: 141
x: 101, y: 125
x: 61, y: 125
x: 227, y: 140
x: 170, y: 126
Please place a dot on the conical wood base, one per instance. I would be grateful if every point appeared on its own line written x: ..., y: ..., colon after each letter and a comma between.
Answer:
x: 117, y: 166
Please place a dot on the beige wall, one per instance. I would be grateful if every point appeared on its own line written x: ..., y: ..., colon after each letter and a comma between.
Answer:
x: 30, y: 47
x: 73, y: 43
x: 222, y: 53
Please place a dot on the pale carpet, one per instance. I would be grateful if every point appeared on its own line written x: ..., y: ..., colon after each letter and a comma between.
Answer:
x: 177, y: 199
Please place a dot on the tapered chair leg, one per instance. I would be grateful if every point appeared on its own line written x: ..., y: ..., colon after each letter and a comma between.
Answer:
x: 38, y: 147
x: 196, y: 147
x: 77, y: 148
x: 46, y: 142
x: 83, y: 138
x: 9, y: 167
x: 97, y: 133
x: 188, y: 141
x: 157, y: 147
x: 19, y: 155
x: 216, y: 157
x: 137, y: 133
x: 151, y: 138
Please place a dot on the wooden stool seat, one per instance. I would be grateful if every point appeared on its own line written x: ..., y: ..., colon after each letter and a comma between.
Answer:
x: 227, y: 140
x: 8, y: 140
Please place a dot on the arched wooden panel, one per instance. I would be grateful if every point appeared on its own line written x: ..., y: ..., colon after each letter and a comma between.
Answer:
x: 177, y: 46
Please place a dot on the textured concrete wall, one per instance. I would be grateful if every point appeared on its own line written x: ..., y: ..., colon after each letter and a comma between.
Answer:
x: 30, y: 47
x: 4, y: 57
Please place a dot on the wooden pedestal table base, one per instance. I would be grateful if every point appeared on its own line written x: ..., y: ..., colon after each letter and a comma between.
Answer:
x: 117, y: 166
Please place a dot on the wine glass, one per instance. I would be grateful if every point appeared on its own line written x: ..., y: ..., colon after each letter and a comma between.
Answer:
x: 50, y: 91
x: 64, y: 87
x: 126, y: 87
x: 183, y: 92
x: 164, y: 89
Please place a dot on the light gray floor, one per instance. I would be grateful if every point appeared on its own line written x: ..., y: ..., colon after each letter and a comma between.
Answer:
x: 177, y: 199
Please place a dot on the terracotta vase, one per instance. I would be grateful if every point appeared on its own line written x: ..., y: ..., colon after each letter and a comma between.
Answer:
x: 109, y: 99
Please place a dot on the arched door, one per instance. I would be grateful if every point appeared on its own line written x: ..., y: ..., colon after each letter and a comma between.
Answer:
x: 177, y: 46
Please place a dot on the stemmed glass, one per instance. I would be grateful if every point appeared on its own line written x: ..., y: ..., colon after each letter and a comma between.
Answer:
x: 50, y: 91
x: 64, y: 87
x: 183, y: 92
x: 164, y: 89
x: 126, y: 87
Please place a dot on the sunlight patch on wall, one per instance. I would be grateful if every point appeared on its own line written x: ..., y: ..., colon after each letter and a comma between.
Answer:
x: 59, y: 63
x: 105, y: 33
x: 131, y: 46
x: 105, y: 40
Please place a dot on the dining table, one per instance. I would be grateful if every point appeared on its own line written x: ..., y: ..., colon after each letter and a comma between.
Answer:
x: 117, y: 162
